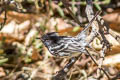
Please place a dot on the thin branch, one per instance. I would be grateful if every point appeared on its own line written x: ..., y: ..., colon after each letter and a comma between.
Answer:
x: 71, y: 12
x: 62, y: 73
x: 97, y: 64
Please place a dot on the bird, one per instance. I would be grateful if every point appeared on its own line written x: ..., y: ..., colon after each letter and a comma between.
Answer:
x: 62, y: 45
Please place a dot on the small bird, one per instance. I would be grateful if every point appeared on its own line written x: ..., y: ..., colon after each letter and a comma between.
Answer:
x: 62, y: 45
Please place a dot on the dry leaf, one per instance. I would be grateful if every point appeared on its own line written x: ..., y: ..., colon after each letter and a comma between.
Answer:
x: 115, y: 26
x: 69, y: 31
x: 35, y: 55
x: 113, y: 56
x: 30, y: 36
x: 2, y: 72
x: 114, y: 50
x: 114, y: 20
x: 15, y: 31
x: 113, y: 17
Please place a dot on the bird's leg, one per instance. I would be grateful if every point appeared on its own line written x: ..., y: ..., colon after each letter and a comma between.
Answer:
x: 62, y: 73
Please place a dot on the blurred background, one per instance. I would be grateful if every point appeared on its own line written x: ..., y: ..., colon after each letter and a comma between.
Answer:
x: 23, y: 57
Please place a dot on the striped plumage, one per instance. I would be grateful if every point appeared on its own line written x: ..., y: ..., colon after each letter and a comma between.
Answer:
x: 62, y: 45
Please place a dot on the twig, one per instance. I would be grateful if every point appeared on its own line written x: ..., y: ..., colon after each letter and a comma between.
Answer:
x: 62, y: 73
x: 71, y: 12
x: 97, y: 64
x: 5, y: 18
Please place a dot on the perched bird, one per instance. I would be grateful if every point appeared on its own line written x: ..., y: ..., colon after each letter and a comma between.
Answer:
x: 62, y: 45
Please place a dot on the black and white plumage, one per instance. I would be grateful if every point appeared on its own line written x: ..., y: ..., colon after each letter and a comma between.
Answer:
x: 62, y: 45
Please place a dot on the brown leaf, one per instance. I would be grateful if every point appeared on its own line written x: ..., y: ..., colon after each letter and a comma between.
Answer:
x: 115, y: 26
x: 114, y: 50
x: 114, y: 20
x: 113, y: 17
x: 35, y: 55
x: 69, y: 31
x: 2, y: 73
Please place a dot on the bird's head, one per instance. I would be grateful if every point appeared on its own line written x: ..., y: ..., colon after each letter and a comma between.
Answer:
x: 50, y: 39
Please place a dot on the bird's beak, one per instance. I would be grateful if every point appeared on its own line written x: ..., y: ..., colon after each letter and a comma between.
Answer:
x: 39, y: 38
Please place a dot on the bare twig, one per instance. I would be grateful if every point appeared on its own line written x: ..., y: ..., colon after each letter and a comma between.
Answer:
x: 5, y: 18
x: 62, y: 73
x: 71, y: 12
x: 97, y: 64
